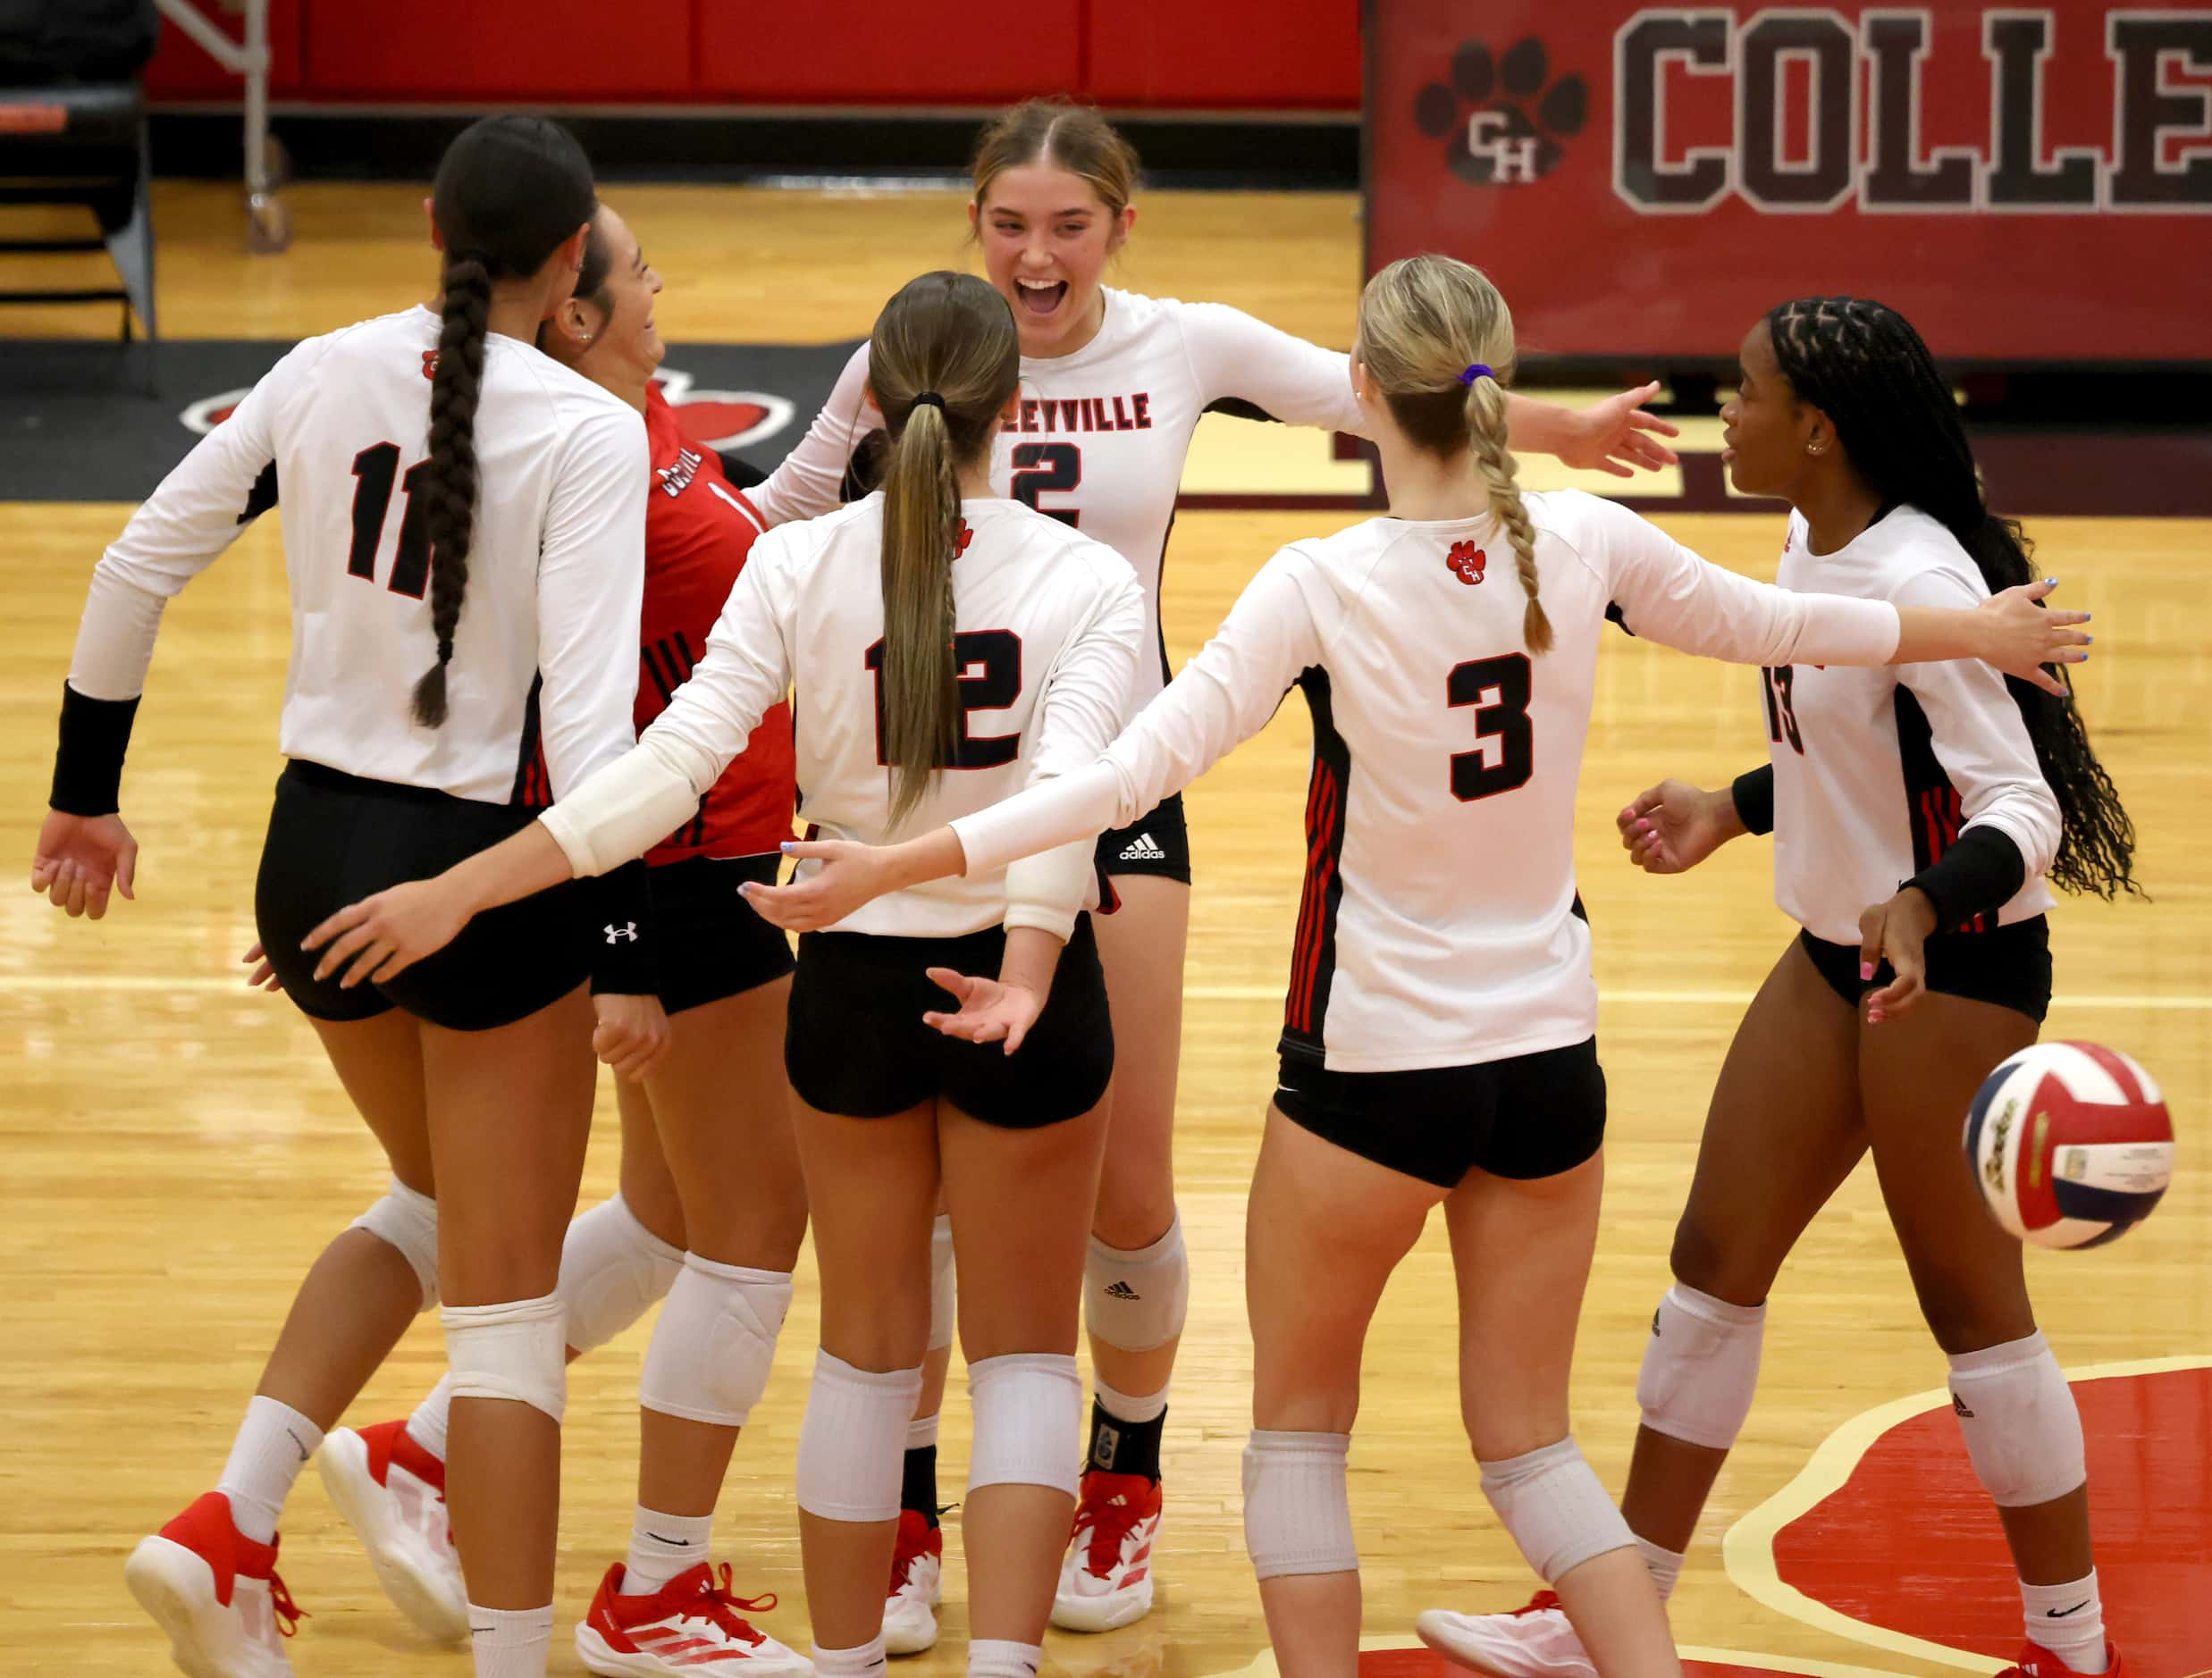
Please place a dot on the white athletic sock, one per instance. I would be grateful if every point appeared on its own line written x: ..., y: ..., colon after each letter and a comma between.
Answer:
x: 274, y: 1444
x: 996, y: 1657
x: 426, y: 1426
x: 1123, y: 1407
x: 662, y: 1546
x: 867, y: 1661
x: 1665, y: 1566
x: 2068, y: 1620
x: 511, y: 1642
x: 921, y: 1433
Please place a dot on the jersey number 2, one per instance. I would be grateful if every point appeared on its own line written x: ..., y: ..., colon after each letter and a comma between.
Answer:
x: 376, y: 466
x: 1041, y: 466
x: 989, y: 665
x: 1499, y: 690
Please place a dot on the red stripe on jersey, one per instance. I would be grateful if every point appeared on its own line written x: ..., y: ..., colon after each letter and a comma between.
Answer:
x: 1320, y: 864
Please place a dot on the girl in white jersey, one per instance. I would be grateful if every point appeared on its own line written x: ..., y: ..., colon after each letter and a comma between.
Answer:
x: 1439, y: 1039
x: 1113, y: 384
x: 946, y: 646
x: 1893, y: 1003
x: 511, y: 565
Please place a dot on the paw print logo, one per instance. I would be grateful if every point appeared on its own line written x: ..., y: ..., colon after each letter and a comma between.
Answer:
x: 1503, y: 121
x: 960, y: 545
x: 1467, y: 562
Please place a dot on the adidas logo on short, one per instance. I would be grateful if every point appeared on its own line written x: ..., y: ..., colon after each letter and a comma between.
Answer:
x: 1143, y: 848
x: 1121, y: 1290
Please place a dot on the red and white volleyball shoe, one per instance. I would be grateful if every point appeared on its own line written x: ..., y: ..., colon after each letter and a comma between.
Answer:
x: 1106, y: 1580
x: 215, y: 1593
x: 1535, y: 1641
x: 917, y: 1586
x: 391, y: 1492
x: 2038, y: 1662
x: 692, y: 1627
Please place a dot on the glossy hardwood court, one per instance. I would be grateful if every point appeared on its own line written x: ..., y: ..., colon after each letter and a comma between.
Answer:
x: 176, y: 1149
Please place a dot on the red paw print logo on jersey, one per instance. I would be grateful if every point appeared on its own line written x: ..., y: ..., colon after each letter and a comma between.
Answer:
x: 430, y: 364
x: 966, y: 536
x: 1467, y: 562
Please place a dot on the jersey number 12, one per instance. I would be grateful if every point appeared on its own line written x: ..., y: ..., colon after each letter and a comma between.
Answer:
x: 988, y: 664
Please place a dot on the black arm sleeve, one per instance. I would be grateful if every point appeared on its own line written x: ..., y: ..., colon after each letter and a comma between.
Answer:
x: 1980, y: 873
x: 623, y: 933
x: 1754, y: 792
x: 88, y: 765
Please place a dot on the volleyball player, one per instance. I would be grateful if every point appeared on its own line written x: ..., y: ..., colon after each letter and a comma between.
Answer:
x: 1892, y: 1003
x: 1439, y: 1041
x: 947, y: 646
x: 456, y: 657
x: 1113, y: 384
x: 710, y: 1200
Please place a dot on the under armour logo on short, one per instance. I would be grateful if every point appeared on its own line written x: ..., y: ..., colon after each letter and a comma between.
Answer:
x: 1121, y: 1290
x: 616, y: 935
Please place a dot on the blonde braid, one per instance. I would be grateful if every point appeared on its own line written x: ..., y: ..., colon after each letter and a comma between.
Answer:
x: 1494, y: 464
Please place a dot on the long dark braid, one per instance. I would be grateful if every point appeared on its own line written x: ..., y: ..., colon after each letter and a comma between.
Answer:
x: 1861, y: 363
x: 509, y: 191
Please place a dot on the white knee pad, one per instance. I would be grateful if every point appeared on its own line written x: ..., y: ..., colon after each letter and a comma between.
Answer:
x: 716, y: 1339
x: 1137, y: 1301
x: 2022, y: 1431
x: 409, y: 1221
x: 1296, y: 1512
x: 1553, y: 1506
x: 515, y: 1351
x: 612, y: 1269
x: 944, y: 1308
x: 852, y: 1444
x: 1700, y: 1368
x: 1029, y: 1419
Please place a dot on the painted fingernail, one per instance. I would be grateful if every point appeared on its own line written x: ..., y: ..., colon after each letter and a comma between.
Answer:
x: 2086, y: 639
x: 1866, y: 969
x: 2052, y: 581
x: 786, y: 846
x: 1874, y: 1018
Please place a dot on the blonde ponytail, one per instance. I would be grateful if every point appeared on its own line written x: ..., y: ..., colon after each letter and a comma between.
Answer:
x: 942, y: 362
x: 1437, y: 341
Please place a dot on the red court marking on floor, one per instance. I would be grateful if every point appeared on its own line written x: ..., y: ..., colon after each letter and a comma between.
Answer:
x: 1911, y: 1542
x: 1421, y: 1663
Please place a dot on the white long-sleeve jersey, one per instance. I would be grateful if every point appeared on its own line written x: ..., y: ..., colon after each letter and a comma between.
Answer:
x: 545, y: 656
x: 1877, y: 772
x: 1047, y: 628
x: 1437, y: 924
x: 1101, y: 436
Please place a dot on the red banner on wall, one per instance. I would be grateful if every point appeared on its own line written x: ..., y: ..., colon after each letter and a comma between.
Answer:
x: 2029, y: 184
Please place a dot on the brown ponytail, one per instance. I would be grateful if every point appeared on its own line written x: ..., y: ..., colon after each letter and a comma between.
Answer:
x: 942, y: 362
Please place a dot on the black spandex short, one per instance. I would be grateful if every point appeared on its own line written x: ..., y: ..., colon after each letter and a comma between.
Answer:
x: 713, y: 944
x: 2010, y: 966
x: 857, y: 1046
x: 1529, y: 1116
x: 1158, y: 843
x: 335, y: 838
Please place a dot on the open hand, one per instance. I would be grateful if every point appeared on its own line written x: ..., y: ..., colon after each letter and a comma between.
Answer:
x: 380, y: 937
x: 1671, y: 828
x: 991, y: 1012
x: 851, y: 874
x: 80, y: 858
x: 1897, y: 932
x: 2028, y: 637
x: 263, y: 977
x: 1618, y: 436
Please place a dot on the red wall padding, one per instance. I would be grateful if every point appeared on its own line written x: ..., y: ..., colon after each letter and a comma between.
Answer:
x: 181, y: 71
x: 1225, y: 52
x: 869, y: 52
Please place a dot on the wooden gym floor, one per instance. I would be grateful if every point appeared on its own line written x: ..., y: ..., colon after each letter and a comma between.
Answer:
x: 176, y: 1149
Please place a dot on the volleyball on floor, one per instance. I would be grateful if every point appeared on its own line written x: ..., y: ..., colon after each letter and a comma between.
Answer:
x: 2070, y: 1144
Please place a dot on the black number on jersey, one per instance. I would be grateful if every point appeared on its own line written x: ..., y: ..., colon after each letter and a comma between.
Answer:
x: 1776, y: 684
x: 376, y: 466
x: 1041, y: 466
x: 1498, y: 689
x: 989, y: 665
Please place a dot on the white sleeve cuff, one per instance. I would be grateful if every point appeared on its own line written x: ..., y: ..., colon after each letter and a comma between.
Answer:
x: 1839, y: 629
x: 620, y: 811
x: 1081, y: 804
x: 115, y: 639
x: 1047, y: 890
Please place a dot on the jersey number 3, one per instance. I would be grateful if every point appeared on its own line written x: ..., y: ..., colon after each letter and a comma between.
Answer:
x: 1499, y: 690
x: 988, y: 662
x: 377, y: 466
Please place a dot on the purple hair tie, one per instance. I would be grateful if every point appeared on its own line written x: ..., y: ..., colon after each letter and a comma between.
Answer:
x: 1476, y: 372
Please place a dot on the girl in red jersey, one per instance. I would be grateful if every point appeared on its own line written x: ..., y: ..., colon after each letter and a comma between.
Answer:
x: 712, y: 1208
